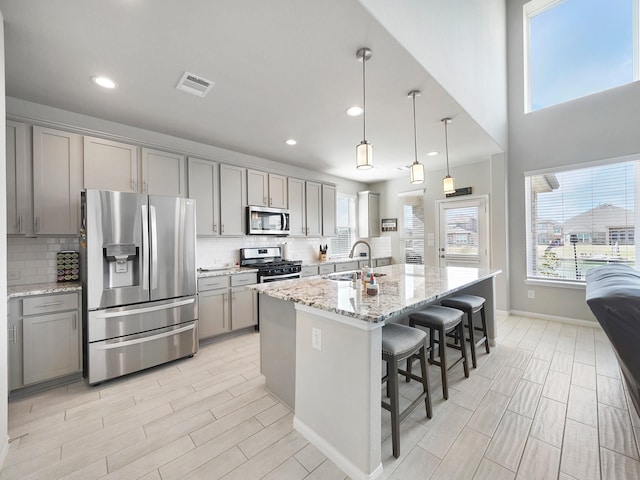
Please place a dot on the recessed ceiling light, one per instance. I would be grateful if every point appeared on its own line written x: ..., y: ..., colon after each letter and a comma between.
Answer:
x: 355, y: 111
x: 433, y: 154
x: 291, y: 141
x: 104, y: 82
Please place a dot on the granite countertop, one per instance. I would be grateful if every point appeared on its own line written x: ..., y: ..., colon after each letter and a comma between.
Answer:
x: 18, y: 291
x: 402, y: 287
x: 205, y: 273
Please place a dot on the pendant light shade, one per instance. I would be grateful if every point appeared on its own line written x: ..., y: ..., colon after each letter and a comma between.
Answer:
x: 417, y: 169
x: 364, y: 155
x: 448, y: 184
x: 364, y: 150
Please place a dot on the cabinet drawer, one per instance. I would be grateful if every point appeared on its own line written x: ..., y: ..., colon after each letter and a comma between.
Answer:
x: 309, y: 271
x: 383, y: 262
x: 244, y: 279
x: 211, y: 283
x: 49, y: 303
x: 327, y: 268
x: 346, y: 266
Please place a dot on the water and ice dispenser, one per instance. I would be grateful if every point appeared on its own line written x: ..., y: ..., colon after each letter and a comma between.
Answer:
x: 121, y: 265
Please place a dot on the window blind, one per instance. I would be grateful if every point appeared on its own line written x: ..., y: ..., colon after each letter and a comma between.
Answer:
x: 345, y: 225
x: 412, y: 240
x: 580, y: 218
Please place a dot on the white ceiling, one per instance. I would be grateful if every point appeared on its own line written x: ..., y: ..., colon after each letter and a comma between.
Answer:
x: 282, y: 69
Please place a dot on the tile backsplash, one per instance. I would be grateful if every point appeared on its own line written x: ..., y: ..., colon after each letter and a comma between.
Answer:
x: 33, y: 260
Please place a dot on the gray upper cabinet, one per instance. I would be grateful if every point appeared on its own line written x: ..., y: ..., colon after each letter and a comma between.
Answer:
x: 266, y: 189
x: 329, y: 227
x: 368, y: 214
x: 257, y: 188
x: 314, y: 209
x: 233, y: 200
x: 110, y: 165
x: 297, y: 209
x: 163, y: 173
x: 203, y: 187
x: 277, y: 191
x: 57, y: 181
x: 18, y: 179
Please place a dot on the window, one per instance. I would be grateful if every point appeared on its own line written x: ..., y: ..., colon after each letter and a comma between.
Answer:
x: 593, y: 212
x: 345, y: 225
x: 412, y: 239
x: 578, y: 47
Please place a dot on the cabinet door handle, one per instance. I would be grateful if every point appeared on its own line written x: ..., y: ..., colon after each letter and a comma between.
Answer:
x: 50, y: 304
x: 145, y: 187
x: 133, y: 184
x: 19, y: 223
x: 222, y: 228
x: 37, y: 224
x: 215, y: 228
x: 264, y: 200
x: 75, y: 321
x: 271, y: 201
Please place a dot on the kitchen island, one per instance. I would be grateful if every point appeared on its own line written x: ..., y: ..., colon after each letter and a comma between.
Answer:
x: 321, y: 350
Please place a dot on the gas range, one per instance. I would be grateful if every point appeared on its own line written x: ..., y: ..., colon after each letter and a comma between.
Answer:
x: 271, y: 267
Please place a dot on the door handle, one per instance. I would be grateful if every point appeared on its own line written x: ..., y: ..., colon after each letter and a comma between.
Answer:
x: 154, y: 248
x: 145, y: 248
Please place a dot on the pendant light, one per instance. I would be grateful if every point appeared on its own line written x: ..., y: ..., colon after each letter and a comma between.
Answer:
x: 447, y: 183
x: 417, y: 169
x: 364, y: 150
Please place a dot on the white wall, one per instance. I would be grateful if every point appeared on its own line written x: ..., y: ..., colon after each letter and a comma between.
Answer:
x: 4, y: 444
x: 462, y: 44
x: 600, y: 126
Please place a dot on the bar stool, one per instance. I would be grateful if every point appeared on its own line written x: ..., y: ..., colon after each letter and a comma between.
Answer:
x: 471, y: 304
x: 445, y: 322
x: 400, y: 342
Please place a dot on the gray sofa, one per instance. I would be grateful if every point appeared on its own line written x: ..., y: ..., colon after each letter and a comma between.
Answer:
x: 613, y: 295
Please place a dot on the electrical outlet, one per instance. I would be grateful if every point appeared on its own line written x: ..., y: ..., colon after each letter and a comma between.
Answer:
x: 316, y: 339
x: 531, y: 293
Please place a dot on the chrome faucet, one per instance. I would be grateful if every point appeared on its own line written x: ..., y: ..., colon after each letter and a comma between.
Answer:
x: 368, y: 246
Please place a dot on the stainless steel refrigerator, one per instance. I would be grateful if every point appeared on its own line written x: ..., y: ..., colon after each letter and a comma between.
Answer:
x: 139, y: 281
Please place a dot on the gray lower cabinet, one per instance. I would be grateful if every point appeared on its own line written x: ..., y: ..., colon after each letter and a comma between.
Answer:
x: 326, y: 268
x: 44, y: 338
x: 225, y: 304
x: 346, y: 266
x: 308, y: 271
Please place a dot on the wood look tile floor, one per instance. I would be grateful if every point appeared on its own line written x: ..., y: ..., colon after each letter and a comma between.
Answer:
x: 547, y: 402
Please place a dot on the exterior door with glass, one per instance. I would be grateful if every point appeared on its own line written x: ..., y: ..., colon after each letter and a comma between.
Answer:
x: 464, y: 232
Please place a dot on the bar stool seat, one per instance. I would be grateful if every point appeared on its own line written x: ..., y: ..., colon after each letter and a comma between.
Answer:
x: 471, y: 304
x: 442, y: 321
x: 400, y: 342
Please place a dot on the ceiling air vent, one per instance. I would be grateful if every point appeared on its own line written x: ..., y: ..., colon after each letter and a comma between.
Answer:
x: 194, y: 84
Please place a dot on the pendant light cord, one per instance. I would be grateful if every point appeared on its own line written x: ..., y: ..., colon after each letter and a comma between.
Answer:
x: 364, y: 97
x: 446, y: 143
x: 415, y: 134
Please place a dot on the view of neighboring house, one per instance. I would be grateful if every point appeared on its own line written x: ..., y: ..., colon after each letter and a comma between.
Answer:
x: 605, y: 224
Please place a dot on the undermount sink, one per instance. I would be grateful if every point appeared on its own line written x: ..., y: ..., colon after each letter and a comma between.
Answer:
x: 348, y: 276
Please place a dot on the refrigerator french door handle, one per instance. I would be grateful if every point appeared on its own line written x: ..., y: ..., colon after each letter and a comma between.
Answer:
x: 145, y: 248
x: 137, y: 341
x: 138, y: 311
x: 154, y: 247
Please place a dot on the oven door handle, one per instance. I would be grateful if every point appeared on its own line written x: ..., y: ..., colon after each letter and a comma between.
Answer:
x: 279, y: 277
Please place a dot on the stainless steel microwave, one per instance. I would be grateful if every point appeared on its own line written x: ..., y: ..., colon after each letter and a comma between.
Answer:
x: 267, y: 221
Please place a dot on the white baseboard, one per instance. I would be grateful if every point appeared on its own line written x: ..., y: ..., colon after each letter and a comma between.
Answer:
x: 4, y: 452
x: 334, y: 455
x: 556, y: 318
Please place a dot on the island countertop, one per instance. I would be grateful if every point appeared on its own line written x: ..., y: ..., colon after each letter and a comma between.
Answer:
x: 402, y: 287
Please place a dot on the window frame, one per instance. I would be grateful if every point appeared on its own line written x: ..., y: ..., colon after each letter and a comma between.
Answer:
x: 351, y: 228
x: 535, y: 7
x: 566, y: 282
